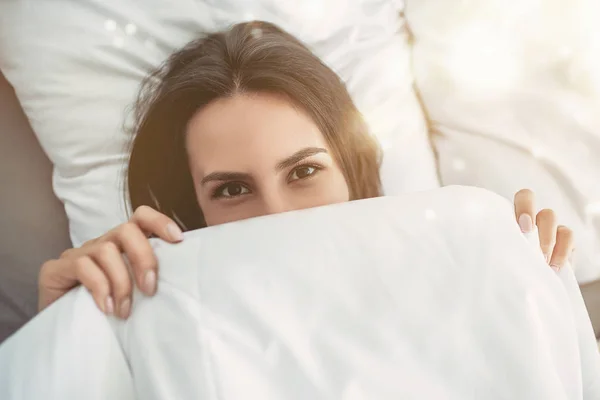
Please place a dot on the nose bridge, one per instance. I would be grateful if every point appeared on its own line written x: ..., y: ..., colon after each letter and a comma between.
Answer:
x: 274, y: 201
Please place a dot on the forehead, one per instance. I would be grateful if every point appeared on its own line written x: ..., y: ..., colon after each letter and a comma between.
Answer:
x: 248, y: 131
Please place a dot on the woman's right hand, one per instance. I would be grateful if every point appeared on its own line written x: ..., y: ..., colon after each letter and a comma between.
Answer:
x: 100, y: 267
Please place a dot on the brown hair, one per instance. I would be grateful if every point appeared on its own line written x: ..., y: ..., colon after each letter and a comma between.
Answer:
x: 249, y: 57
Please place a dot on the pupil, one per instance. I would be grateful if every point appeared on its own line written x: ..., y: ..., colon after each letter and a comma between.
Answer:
x: 234, y: 190
x: 303, y: 172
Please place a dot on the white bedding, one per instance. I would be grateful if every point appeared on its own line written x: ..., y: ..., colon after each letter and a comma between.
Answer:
x: 434, y: 295
x: 513, y: 88
x: 86, y: 59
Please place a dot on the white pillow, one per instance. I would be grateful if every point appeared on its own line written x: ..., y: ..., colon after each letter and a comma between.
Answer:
x: 514, y: 89
x: 433, y: 295
x: 76, y: 66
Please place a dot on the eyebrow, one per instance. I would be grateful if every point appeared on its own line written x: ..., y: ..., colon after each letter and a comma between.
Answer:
x: 299, y: 156
x: 281, y: 165
x: 226, y: 176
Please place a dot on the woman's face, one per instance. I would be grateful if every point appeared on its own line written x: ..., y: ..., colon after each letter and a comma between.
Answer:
x: 257, y: 154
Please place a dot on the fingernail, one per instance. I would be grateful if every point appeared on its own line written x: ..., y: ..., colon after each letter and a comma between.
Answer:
x: 547, y: 257
x: 526, y: 223
x: 125, y: 308
x: 555, y: 268
x: 150, y: 282
x: 174, y: 232
x: 109, y: 306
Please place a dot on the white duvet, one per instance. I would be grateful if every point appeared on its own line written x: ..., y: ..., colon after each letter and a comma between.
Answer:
x: 435, y: 295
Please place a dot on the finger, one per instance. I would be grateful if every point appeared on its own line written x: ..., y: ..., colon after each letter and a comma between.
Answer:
x: 525, y: 209
x: 156, y: 223
x: 140, y: 255
x: 563, y: 248
x: 56, y: 277
x: 107, y: 256
x: 93, y: 278
x: 546, y: 223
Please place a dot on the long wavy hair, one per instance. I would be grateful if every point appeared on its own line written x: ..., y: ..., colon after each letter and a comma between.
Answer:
x: 249, y: 57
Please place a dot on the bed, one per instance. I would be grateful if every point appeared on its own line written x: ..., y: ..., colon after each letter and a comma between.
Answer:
x: 107, y: 47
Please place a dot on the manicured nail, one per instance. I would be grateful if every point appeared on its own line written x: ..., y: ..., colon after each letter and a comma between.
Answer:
x: 125, y: 308
x: 555, y: 268
x: 150, y: 282
x: 526, y: 223
x: 174, y: 232
x: 109, y: 306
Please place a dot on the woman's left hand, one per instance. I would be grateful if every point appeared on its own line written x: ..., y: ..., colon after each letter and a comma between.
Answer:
x: 556, y: 241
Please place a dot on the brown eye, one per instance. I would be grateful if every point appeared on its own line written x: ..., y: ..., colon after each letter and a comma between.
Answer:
x: 231, y: 190
x: 302, y: 172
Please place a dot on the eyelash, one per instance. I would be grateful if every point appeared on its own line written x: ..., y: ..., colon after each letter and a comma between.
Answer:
x: 217, y: 193
x: 317, y: 168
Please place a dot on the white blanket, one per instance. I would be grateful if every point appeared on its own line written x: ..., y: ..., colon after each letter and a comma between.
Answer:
x: 513, y: 89
x: 435, y: 295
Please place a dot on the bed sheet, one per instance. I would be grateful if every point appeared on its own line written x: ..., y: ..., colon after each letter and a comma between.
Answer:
x: 431, y: 295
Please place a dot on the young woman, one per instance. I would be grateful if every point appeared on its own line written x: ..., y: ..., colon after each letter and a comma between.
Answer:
x: 238, y: 124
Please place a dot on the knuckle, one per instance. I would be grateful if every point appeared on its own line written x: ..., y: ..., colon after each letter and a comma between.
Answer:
x: 140, y: 254
x: 96, y: 285
x: 128, y: 229
x: 67, y: 253
x: 92, y: 241
x: 81, y: 265
x: 46, y: 270
x: 142, y: 211
x: 106, y: 249
x: 47, y: 265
